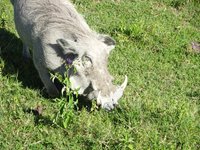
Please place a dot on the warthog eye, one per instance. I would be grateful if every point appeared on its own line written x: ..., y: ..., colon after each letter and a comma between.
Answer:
x: 70, y: 57
x: 86, y: 61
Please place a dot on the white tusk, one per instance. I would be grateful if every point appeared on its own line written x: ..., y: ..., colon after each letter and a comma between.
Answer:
x: 119, y: 91
x: 124, y: 84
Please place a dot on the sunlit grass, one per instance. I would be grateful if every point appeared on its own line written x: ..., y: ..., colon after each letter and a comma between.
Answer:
x: 160, y: 107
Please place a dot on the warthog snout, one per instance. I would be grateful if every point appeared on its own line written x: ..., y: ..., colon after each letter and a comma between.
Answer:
x: 112, y: 100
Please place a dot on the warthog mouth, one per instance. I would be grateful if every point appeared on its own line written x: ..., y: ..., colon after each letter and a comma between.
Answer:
x: 111, y: 101
x: 107, y: 102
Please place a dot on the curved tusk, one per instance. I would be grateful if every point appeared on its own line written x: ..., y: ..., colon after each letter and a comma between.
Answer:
x: 119, y: 91
x: 124, y: 84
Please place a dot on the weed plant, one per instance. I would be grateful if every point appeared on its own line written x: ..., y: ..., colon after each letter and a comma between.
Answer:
x: 68, y: 101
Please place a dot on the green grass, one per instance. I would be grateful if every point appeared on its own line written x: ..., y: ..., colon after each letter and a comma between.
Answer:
x: 160, y: 108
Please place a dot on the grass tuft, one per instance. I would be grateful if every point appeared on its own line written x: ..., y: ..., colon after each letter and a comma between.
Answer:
x: 160, y: 107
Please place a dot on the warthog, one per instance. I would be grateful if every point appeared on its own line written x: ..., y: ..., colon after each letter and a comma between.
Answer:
x: 58, y: 34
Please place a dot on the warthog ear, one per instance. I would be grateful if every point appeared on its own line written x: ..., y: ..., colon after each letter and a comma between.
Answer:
x: 110, y: 42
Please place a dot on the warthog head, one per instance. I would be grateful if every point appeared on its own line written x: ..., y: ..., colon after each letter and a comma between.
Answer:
x: 89, y: 57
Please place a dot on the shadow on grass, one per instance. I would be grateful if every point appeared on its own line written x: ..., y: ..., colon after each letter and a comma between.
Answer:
x: 14, y: 64
x: 41, y: 119
x: 194, y: 95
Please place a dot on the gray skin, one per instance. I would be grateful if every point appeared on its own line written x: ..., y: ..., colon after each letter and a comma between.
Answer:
x: 56, y: 33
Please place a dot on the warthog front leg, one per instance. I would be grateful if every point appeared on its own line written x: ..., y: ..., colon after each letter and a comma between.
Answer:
x: 49, y: 85
x: 26, y: 52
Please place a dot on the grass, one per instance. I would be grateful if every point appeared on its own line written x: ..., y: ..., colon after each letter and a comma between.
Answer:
x: 160, y: 108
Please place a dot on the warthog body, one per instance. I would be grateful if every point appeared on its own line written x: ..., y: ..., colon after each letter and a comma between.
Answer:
x: 57, y: 34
